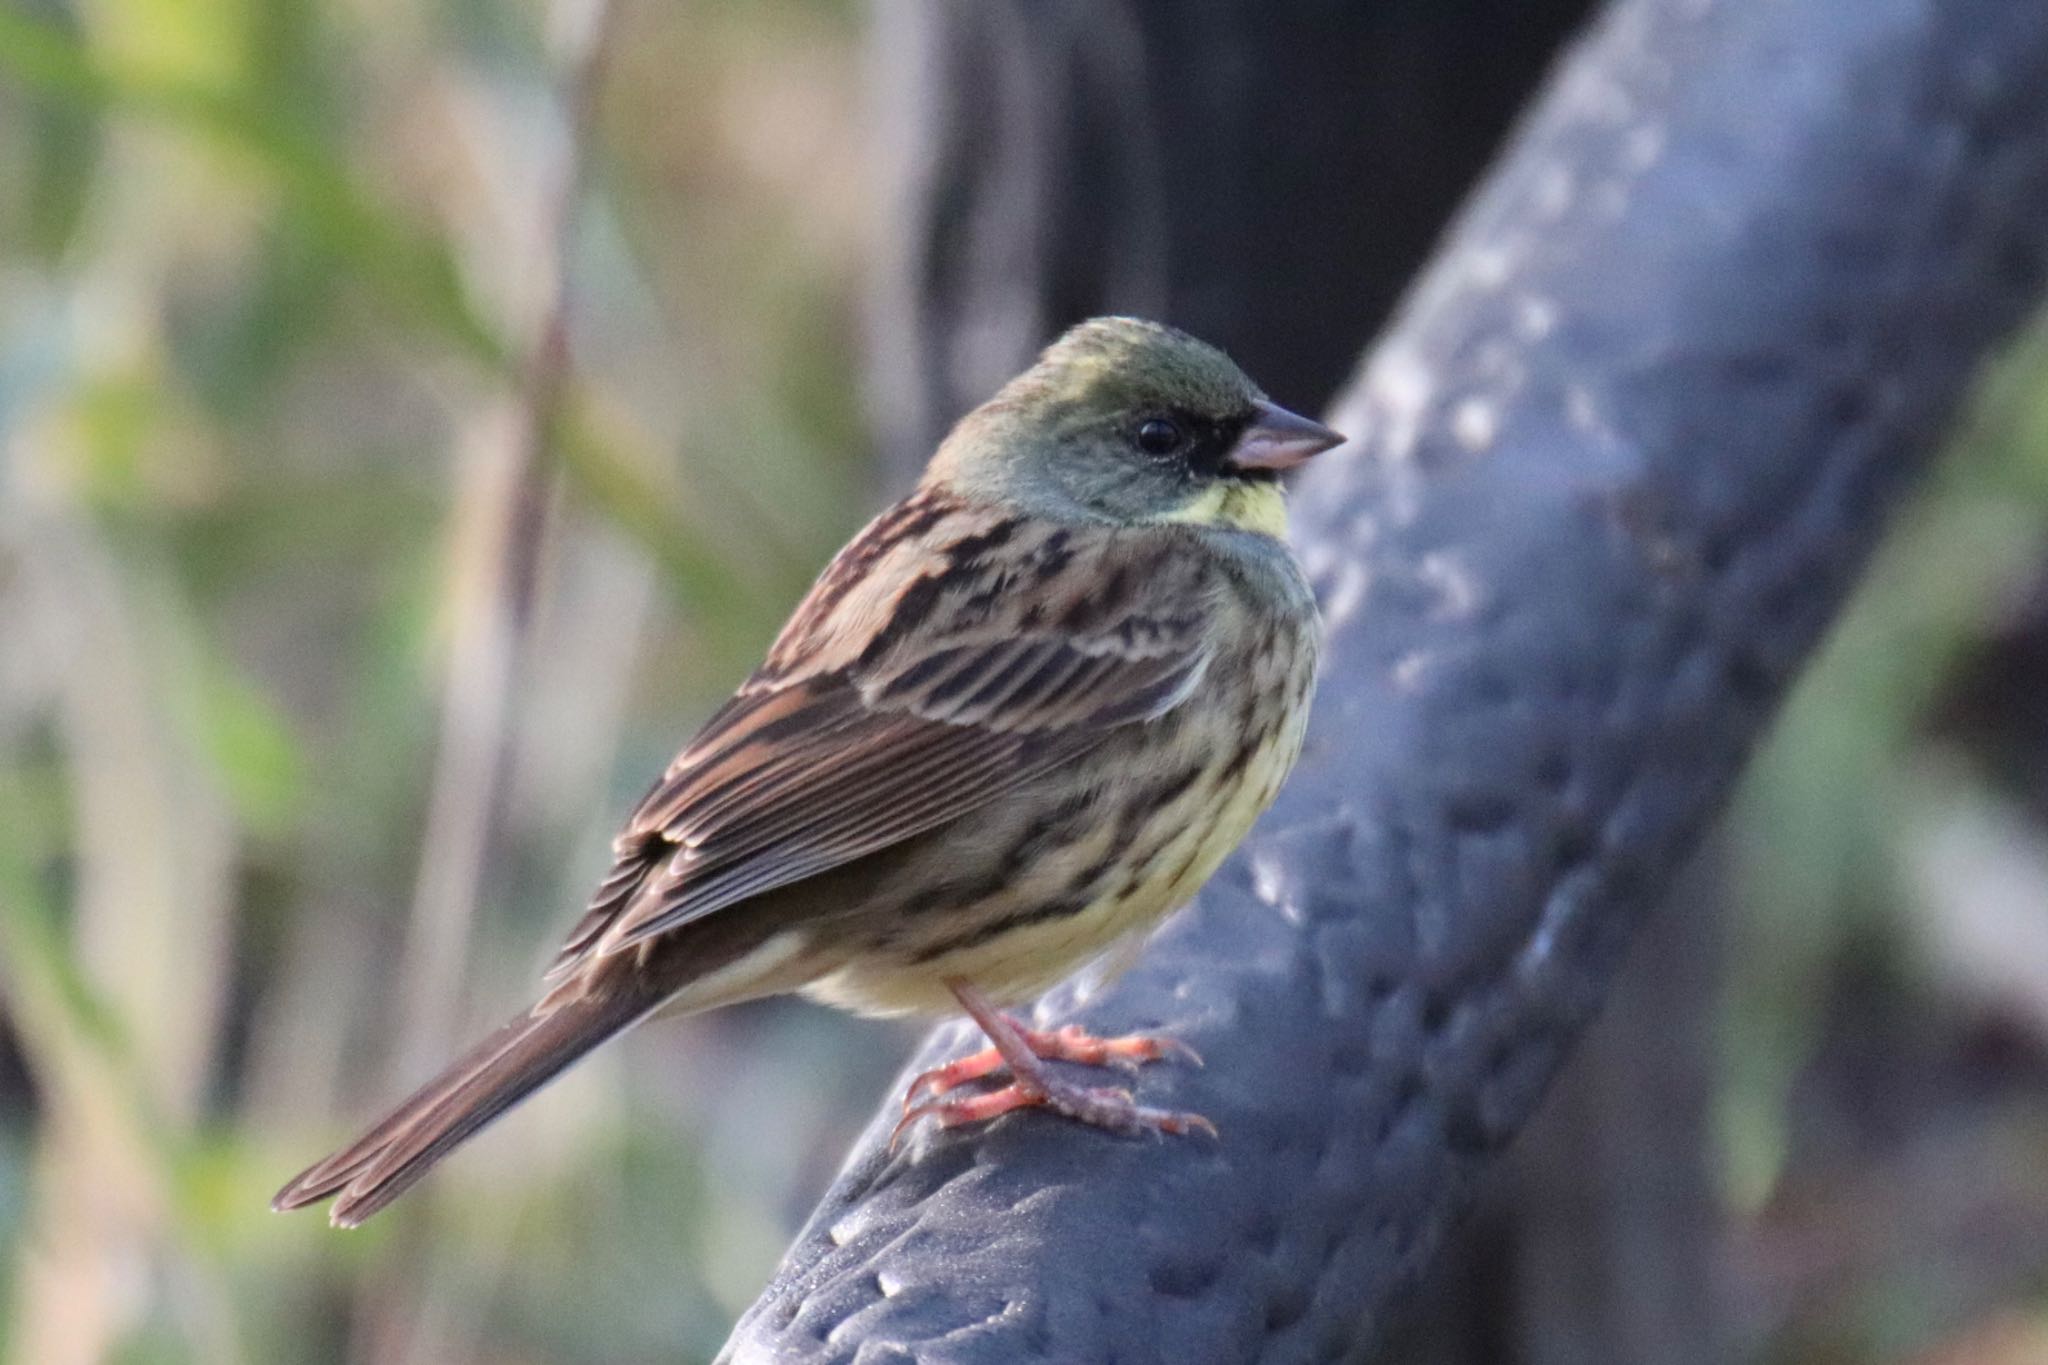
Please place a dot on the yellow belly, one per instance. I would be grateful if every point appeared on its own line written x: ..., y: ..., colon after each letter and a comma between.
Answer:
x: 1209, y: 822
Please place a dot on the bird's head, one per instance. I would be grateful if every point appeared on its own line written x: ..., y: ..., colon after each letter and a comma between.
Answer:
x: 1131, y: 422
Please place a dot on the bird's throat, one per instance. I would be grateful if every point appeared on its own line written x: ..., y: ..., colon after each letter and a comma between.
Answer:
x: 1240, y: 505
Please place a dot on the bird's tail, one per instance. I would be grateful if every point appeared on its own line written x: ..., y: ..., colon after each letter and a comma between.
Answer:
x: 490, y: 1078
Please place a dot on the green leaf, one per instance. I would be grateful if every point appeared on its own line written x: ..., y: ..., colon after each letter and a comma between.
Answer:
x: 412, y: 271
x: 253, y: 748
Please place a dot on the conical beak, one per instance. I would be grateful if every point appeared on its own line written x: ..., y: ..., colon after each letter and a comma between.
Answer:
x: 1278, y: 439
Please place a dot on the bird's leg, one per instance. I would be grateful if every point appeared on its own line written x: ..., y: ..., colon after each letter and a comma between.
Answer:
x: 1023, y: 1052
x: 1070, y: 1044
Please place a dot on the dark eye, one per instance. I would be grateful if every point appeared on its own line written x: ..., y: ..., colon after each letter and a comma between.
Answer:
x: 1159, y: 436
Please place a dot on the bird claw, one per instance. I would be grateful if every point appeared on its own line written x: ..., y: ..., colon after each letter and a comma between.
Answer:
x: 1108, y: 1107
x: 1071, y: 1043
x: 1075, y: 1044
x: 952, y: 1075
x: 972, y: 1109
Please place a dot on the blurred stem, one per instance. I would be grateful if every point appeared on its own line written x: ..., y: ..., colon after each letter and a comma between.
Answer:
x: 508, y: 495
x: 107, y: 1162
x: 115, y: 1007
x: 500, y: 518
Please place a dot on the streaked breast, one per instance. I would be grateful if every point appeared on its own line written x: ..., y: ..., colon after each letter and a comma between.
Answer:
x: 1147, y: 827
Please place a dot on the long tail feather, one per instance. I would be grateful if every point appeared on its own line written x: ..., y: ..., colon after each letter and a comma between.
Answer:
x: 490, y: 1078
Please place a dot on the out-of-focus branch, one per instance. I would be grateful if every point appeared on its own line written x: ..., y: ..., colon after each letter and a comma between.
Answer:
x: 504, y: 504
x: 1617, y: 464
x: 116, y: 1001
x: 503, y: 523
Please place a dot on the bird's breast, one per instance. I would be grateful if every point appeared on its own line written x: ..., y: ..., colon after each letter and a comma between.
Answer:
x: 1097, y: 853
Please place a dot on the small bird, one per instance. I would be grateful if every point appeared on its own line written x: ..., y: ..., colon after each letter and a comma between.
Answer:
x: 1021, y: 717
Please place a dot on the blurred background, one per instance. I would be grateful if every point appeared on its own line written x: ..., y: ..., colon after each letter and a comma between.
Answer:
x: 414, y: 418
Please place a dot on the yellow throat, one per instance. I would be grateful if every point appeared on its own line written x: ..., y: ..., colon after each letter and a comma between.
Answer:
x: 1259, y: 507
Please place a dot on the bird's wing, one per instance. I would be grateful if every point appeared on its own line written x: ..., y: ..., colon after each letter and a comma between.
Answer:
x: 948, y: 655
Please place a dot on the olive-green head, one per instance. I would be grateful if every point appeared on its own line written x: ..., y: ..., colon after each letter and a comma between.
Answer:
x: 1129, y: 421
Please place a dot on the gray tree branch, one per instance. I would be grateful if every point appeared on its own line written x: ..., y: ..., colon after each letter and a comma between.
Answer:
x: 1618, y: 461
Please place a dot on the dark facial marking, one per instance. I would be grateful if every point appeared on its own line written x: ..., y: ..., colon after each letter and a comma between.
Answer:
x: 1199, y: 444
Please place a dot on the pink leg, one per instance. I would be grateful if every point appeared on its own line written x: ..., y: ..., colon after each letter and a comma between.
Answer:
x: 1069, y: 1044
x: 1023, y: 1053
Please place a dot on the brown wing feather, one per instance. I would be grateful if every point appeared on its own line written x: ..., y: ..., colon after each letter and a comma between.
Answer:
x: 915, y: 682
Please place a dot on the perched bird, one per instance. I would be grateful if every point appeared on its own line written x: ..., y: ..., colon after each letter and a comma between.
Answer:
x: 1021, y: 717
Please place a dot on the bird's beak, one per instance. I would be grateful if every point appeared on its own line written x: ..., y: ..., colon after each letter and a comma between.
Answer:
x: 1278, y: 439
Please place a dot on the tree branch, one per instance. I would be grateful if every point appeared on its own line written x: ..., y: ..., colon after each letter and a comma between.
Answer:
x: 1618, y: 463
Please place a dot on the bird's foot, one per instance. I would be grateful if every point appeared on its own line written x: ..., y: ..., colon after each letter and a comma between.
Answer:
x: 1108, y: 1107
x: 1024, y: 1052
x: 1069, y: 1044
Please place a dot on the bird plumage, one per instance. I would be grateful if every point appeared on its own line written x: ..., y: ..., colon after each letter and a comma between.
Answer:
x: 1020, y: 717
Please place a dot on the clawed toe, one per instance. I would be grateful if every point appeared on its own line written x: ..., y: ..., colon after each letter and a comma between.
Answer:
x: 1116, y: 1110
x: 942, y: 1079
x: 1072, y: 1043
x: 1075, y: 1044
x: 953, y: 1113
x: 1022, y: 1053
x: 1107, y: 1107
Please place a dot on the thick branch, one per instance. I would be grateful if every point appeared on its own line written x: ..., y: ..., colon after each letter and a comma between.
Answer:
x: 1618, y: 463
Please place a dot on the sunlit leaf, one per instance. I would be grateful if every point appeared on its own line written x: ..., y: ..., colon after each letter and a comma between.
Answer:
x: 413, y: 271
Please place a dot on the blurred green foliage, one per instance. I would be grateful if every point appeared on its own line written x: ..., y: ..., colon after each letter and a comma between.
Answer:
x: 272, y: 278
x: 1871, y: 1049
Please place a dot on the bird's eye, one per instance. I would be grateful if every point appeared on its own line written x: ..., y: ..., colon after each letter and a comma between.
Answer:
x: 1159, y: 436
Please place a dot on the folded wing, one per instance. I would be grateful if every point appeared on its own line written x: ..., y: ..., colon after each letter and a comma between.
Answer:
x: 948, y: 656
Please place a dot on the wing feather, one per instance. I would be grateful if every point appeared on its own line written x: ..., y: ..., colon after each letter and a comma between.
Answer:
x: 919, y: 680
